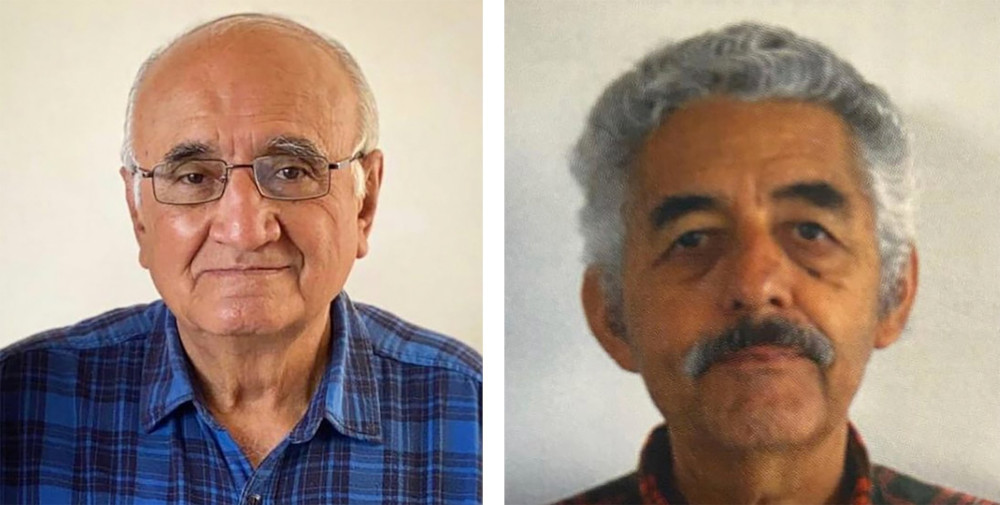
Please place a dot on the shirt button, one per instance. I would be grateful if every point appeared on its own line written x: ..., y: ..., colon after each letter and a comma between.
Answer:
x: 254, y: 499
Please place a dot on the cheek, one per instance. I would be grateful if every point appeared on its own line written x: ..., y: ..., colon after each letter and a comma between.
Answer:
x: 853, y: 328
x: 844, y: 378
x: 174, y: 239
x: 658, y: 345
x: 325, y: 234
x: 845, y: 308
x: 848, y: 317
x: 662, y: 325
x: 663, y: 318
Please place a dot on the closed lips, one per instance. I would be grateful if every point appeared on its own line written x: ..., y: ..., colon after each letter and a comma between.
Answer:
x: 762, y: 353
x: 244, y: 270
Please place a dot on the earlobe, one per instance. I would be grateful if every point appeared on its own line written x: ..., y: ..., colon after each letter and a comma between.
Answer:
x: 603, y: 320
x: 892, y: 324
x: 372, y: 166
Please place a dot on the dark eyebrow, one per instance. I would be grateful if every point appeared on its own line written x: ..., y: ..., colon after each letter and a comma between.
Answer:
x: 186, y: 150
x: 293, y: 146
x: 820, y: 194
x: 675, y: 207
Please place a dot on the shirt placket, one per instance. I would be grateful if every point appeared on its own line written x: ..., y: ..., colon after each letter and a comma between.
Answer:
x: 258, y: 487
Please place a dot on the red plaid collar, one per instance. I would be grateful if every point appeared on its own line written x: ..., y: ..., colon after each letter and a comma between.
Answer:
x: 656, y: 477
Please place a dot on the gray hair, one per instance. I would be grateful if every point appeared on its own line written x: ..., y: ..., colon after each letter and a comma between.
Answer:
x: 750, y: 62
x: 367, y: 110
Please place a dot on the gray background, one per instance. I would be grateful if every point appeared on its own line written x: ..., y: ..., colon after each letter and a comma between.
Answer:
x: 929, y: 405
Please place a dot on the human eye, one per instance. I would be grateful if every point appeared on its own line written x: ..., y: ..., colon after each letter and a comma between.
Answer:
x: 691, y: 244
x: 190, y: 173
x: 290, y: 173
x: 193, y: 178
x: 692, y: 252
x: 690, y: 240
x: 814, y: 246
x: 809, y: 240
x: 293, y: 170
x: 811, y: 232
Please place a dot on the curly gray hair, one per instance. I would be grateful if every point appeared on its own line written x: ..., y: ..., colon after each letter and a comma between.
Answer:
x: 750, y: 62
x: 367, y: 110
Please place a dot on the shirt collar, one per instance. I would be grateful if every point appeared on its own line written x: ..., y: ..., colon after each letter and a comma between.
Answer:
x: 656, y: 477
x: 347, y: 397
x: 166, y: 384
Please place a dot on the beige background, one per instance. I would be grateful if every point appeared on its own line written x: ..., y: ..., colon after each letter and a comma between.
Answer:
x: 66, y: 247
x: 929, y: 405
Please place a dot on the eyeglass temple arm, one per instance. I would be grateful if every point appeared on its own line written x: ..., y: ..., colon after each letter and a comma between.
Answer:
x: 340, y: 164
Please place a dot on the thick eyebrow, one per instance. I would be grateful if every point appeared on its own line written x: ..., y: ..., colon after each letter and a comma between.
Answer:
x: 293, y: 146
x: 186, y: 150
x: 819, y: 194
x: 675, y: 207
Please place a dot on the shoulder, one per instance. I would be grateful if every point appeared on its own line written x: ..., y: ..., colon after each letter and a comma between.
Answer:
x: 890, y: 486
x: 112, y: 330
x: 405, y: 343
x: 623, y: 490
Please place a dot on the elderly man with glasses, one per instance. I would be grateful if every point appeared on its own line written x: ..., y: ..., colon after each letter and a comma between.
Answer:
x: 252, y: 179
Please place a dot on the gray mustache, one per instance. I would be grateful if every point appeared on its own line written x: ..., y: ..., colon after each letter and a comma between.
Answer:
x: 810, y: 342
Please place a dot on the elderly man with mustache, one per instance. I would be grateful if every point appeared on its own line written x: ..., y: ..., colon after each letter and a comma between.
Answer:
x: 749, y: 233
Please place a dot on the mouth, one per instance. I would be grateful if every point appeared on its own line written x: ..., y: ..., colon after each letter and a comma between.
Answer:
x: 761, y: 355
x: 244, y: 271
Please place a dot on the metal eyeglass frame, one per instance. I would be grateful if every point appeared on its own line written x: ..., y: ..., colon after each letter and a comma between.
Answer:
x: 148, y: 174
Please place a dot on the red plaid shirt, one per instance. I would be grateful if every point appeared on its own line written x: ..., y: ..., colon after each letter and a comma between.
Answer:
x: 864, y: 483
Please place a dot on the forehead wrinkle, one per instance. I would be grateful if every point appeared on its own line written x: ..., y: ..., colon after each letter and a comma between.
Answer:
x: 803, y: 122
x: 705, y: 166
x: 219, y: 76
x: 701, y: 158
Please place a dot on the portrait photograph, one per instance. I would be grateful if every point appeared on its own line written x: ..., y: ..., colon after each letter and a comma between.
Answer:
x: 241, y: 252
x: 710, y: 297
x: 68, y: 76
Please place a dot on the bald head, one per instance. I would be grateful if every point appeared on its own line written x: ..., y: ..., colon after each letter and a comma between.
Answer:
x: 247, y: 64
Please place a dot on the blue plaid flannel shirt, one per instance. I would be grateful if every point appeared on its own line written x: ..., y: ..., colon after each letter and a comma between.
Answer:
x: 104, y: 412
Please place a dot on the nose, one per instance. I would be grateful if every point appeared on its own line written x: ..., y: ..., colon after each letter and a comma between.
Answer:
x: 759, y: 276
x: 243, y: 218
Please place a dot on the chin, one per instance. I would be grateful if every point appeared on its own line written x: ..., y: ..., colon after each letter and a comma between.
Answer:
x: 761, y: 431
x: 247, y: 317
x: 767, y: 420
x: 749, y: 410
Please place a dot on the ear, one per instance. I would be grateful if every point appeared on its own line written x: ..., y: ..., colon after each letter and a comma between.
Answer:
x: 603, y: 320
x: 138, y: 228
x: 892, y: 324
x: 372, y: 165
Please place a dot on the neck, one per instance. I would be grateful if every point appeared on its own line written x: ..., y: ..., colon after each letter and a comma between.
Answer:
x: 708, y: 473
x: 274, y: 373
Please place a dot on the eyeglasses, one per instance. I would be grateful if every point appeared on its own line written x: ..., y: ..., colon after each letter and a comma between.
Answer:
x: 280, y: 177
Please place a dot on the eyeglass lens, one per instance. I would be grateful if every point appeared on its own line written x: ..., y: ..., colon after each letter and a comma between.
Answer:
x: 281, y: 177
